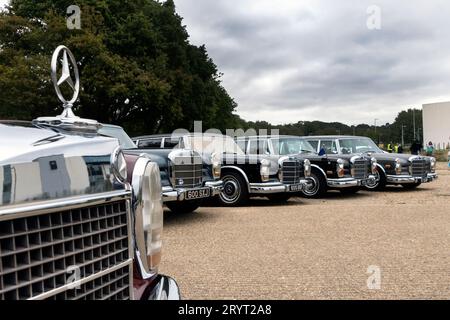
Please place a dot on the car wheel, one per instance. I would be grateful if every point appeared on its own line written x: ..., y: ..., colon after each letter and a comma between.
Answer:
x: 183, y: 206
x: 235, y: 192
x: 411, y: 186
x: 379, y: 183
x: 279, y: 197
x: 316, y: 187
x: 351, y: 190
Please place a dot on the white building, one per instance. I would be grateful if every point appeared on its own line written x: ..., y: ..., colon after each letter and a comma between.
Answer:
x: 436, y: 124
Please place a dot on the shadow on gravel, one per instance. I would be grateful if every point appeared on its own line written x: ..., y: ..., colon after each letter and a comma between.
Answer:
x: 401, y: 189
x: 188, y: 218
x: 257, y: 202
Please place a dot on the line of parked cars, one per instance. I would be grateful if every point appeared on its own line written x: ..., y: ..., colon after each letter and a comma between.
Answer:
x: 81, y: 203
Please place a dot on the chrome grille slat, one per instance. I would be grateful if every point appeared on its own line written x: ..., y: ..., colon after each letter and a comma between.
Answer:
x: 419, y: 168
x: 360, y: 169
x: 36, y: 251
x: 291, y: 171
x: 189, y: 170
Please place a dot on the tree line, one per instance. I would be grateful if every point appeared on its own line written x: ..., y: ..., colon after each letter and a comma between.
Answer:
x: 138, y: 70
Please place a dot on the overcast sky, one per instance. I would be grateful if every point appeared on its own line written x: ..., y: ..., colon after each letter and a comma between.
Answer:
x: 291, y: 60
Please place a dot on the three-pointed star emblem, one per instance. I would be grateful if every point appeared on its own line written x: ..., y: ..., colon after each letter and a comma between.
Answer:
x: 65, y: 76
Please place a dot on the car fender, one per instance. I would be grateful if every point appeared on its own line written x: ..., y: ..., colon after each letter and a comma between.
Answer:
x: 241, y: 172
x: 320, y: 169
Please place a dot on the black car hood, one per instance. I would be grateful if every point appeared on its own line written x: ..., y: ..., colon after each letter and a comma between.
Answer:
x: 391, y: 156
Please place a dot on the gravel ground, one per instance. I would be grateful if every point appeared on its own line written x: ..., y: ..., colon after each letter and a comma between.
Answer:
x: 316, y: 249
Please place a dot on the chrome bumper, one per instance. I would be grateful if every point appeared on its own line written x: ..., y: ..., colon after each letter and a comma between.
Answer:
x: 276, y: 187
x: 348, y: 182
x: 166, y: 288
x: 171, y: 194
x: 403, y: 179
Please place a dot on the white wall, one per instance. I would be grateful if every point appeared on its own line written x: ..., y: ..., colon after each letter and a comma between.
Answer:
x: 436, y: 124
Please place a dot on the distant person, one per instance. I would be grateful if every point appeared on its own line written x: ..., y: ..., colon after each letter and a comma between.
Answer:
x: 396, y: 148
x: 400, y: 149
x: 322, y: 151
x: 430, y: 149
x: 389, y: 147
x: 416, y: 147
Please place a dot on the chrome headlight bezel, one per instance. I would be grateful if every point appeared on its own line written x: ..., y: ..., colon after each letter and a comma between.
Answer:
x: 433, y: 164
x: 307, y: 167
x: 119, y: 165
x: 148, y: 216
x: 374, y: 165
x: 398, y: 166
x: 265, y: 170
x: 216, y: 166
x: 340, y: 168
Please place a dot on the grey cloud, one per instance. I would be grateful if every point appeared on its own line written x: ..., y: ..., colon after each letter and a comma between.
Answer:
x: 321, y: 56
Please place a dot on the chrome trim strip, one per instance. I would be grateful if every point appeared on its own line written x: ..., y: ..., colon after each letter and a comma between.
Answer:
x: 26, y: 210
x: 344, y: 183
x: 84, y: 280
x: 130, y: 219
x: 404, y: 179
x: 267, y: 188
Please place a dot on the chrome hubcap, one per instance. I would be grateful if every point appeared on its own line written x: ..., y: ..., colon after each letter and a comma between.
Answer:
x: 373, y: 183
x: 312, y: 187
x: 231, y: 190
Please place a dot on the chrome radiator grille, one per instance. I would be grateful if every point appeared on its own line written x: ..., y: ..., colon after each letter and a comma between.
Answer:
x: 292, y: 171
x: 40, y: 253
x: 360, y: 169
x: 419, y: 168
x: 187, y: 172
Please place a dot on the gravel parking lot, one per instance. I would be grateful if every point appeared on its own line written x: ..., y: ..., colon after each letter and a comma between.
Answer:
x: 316, y: 249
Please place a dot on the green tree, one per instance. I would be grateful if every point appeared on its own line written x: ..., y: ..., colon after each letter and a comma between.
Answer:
x: 137, y: 66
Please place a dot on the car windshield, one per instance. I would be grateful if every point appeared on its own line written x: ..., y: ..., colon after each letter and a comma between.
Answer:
x: 118, y: 133
x: 357, y: 145
x: 286, y: 146
x: 213, y: 144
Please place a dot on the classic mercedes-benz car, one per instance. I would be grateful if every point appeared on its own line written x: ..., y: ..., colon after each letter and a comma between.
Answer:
x: 71, y: 226
x: 186, y: 178
x: 243, y: 176
x: 345, y: 172
x: 406, y: 170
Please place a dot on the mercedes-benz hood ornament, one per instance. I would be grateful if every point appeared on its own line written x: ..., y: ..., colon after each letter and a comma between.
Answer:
x: 64, y: 72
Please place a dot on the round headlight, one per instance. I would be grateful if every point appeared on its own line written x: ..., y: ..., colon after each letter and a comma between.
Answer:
x: 340, y: 168
x: 307, y: 167
x: 374, y: 165
x: 433, y: 163
x: 265, y: 170
x: 148, y: 213
x: 398, y: 166
x: 119, y: 165
x: 216, y: 163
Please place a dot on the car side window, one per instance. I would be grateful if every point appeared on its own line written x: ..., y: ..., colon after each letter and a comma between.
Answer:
x: 253, y: 149
x: 150, y: 143
x: 329, y: 146
x: 171, y: 143
x: 242, y: 144
x: 314, y: 143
